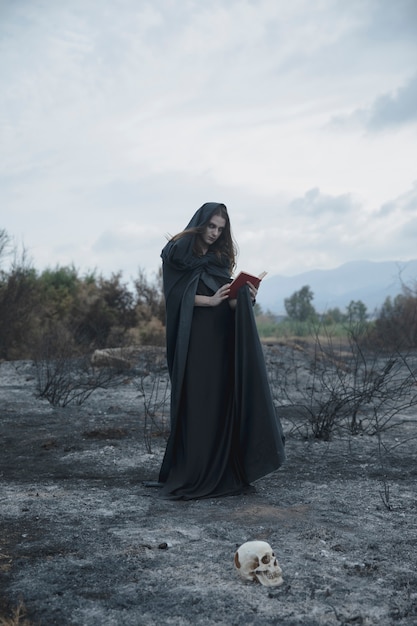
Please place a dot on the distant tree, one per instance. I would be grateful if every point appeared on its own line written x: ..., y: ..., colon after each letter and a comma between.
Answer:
x: 150, y: 309
x: 18, y: 305
x: 119, y: 299
x: 5, y: 241
x: 357, y: 311
x: 388, y: 307
x: 257, y: 310
x: 299, y: 307
x: 103, y: 312
x: 333, y: 316
x: 150, y: 301
x: 96, y: 311
x: 396, y: 325
x: 58, y: 288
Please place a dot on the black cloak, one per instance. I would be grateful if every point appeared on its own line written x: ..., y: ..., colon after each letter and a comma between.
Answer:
x: 257, y: 439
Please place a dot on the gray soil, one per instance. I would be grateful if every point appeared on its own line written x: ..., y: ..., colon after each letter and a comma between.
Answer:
x: 84, y: 542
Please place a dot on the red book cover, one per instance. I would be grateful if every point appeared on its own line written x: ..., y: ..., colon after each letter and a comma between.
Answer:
x: 241, y: 279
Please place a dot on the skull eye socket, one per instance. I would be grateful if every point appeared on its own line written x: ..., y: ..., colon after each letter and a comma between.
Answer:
x: 265, y: 559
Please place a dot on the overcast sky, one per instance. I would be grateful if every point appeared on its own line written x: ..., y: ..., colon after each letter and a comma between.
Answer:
x: 119, y: 118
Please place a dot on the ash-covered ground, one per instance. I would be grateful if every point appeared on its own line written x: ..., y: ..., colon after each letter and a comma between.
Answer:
x: 84, y: 542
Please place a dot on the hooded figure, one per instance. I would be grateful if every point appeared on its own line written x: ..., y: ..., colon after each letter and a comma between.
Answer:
x: 224, y: 429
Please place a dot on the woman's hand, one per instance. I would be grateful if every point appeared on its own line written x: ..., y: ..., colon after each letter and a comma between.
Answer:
x: 220, y: 295
x: 214, y: 300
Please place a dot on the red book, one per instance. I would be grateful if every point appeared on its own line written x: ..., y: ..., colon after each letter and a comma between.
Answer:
x: 241, y: 279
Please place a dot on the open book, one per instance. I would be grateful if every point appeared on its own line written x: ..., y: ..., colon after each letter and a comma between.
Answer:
x: 241, y: 279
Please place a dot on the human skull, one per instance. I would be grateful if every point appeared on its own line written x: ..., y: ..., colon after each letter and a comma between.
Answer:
x: 255, y: 560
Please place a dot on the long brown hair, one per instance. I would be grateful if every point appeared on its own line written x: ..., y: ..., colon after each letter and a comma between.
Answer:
x: 224, y: 247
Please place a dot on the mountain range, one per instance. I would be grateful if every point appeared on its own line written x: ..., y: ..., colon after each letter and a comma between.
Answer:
x: 368, y: 281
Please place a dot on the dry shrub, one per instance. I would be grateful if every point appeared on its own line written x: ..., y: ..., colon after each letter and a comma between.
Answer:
x: 152, y: 333
x: 64, y: 377
x: 16, y: 618
x: 329, y: 387
x: 154, y: 386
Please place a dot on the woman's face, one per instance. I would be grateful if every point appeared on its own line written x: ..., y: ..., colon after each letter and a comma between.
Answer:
x: 213, y: 230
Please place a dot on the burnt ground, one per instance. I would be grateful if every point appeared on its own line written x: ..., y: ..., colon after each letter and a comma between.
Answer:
x: 83, y: 542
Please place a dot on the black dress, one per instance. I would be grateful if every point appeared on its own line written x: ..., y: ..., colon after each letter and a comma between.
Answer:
x: 206, y: 461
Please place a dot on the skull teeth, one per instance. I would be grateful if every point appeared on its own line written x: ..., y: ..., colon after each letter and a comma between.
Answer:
x: 269, y: 575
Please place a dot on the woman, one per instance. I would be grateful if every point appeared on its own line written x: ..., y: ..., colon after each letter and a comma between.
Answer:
x: 224, y: 431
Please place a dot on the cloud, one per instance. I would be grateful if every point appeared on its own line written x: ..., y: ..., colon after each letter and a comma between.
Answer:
x: 388, y: 111
x: 325, y: 229
x: 409, y: 230
x: 404, y: 204
x: 390, y: 22
x: 394, y: 109
x: 317, y: 204
x: 119, y: 118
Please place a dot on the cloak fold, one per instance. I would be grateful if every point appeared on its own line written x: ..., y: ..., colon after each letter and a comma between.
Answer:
x: 261, y: 437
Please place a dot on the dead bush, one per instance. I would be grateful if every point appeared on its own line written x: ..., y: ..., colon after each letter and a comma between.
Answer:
x: 65, y: 377
x: 332, y: 386
x: 154, y: 385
